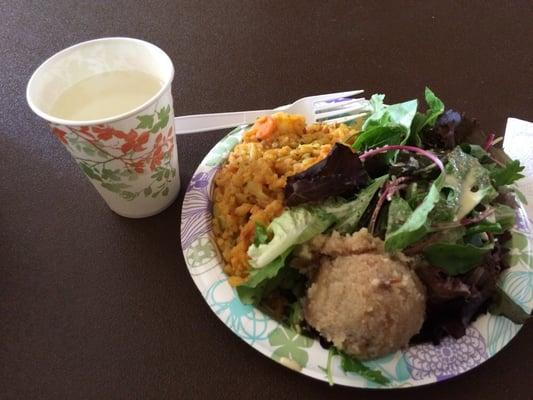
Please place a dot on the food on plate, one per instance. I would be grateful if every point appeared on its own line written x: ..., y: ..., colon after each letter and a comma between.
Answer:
x: 249, y: 186
x: 365, y: 301
x: 390, y: 230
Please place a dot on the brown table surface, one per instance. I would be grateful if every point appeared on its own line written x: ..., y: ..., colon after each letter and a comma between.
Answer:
x: 97, y: 306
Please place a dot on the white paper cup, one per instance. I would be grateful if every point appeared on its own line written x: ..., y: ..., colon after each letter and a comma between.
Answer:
x: 131, y: 158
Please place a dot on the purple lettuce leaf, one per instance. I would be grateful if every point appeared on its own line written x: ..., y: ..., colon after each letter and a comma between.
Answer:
x: 341, y: 173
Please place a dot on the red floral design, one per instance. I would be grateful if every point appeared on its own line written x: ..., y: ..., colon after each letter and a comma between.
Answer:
x: 60, y: 134
x: 139, y: 166
x: 129, y: 144
x: 104, y: 132
x: 86, y: 133
x: 129, y: 148
x: 157, y: 155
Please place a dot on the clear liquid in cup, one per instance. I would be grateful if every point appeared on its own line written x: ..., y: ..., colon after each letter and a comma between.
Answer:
x: 105, y: 95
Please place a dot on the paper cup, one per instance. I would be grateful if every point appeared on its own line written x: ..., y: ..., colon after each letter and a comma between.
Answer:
x: 131, y: 159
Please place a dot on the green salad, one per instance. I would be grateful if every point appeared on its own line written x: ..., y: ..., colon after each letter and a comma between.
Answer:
x: 431, y: 185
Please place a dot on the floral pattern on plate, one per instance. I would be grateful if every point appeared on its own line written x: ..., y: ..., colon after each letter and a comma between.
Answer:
x: 450, y: 358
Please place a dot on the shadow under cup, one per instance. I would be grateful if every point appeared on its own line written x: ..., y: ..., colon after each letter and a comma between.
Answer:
x: 130, y: 158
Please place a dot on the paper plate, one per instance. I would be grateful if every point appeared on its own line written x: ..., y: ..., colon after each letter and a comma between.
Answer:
x: 417, y: 365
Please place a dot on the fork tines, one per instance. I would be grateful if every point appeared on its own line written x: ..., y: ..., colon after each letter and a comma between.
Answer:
x: 340, y: 109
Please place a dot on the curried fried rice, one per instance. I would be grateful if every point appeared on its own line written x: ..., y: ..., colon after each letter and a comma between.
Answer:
x: 249, y: 186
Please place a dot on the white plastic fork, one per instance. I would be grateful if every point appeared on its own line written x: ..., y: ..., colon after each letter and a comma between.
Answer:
x: 331, y: 108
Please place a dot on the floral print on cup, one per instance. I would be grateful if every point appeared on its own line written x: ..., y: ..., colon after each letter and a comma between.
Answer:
x: 113, y: 159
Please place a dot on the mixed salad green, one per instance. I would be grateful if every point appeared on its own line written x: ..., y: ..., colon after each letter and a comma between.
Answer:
x: 429, y: 184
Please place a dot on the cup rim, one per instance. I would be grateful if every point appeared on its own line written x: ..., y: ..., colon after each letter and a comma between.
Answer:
x: 114, y: 118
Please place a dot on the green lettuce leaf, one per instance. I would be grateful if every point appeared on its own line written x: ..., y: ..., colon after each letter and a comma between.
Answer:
x: 414, y: 194
x: 350, y: 364
x: 503, y: 305
x: 349, y: 214
x: 452, y: 235
x: 296, y: 316
x: 376, y: 103
x: 416, y: 225
x: 427, y: 119
x: 476, y: 151
x: 455, y: 258
x: 386, y: 124
x: 294, y: 226
x: 485, y: 226
x: 507, y: 174
x: 262, y: 280
x: 468, y: 184
x: 505, y: 216
x: 261, y: 234
x: 399, y: 211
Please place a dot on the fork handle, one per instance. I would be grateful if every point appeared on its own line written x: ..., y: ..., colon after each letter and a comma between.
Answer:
x: 210, y: 122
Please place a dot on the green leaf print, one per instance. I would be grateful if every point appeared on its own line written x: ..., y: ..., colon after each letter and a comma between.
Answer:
x: 89, y: 151
x: 113, y: 175
x: 519, y: 250
x: 90, y: 172
x: 149, y: 121
x: 290, y: 346
x: 200, y: 253
x: 158, y: 174
x: 115, y: 187
x: 145, y: 122
x: 163, y: 116
x: 128, y: 195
